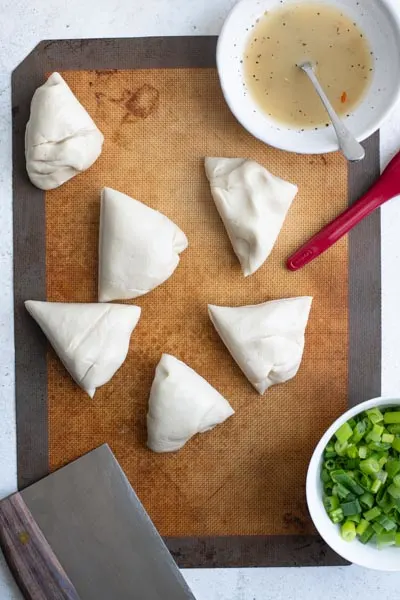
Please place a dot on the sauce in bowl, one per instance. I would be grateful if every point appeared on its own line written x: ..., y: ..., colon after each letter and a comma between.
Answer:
x: 290, y: 35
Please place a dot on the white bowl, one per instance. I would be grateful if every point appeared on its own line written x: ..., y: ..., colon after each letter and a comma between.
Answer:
x: 380, y: 22
x: 365, y: 555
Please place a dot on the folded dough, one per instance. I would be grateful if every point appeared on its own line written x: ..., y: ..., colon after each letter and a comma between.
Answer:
x: 61, y: 140
x: 181, y: 404
x: 252, y: 204
x: 138, y: 247
x: 92, y: 340
x: 266, y: 340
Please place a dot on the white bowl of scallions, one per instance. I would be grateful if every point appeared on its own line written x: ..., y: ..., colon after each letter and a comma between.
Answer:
x: 353, y: 485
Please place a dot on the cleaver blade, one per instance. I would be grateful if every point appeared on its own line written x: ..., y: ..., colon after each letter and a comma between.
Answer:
x: 82, y: 534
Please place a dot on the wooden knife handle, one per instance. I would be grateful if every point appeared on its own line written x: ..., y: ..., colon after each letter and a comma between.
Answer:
x: 33, y: 563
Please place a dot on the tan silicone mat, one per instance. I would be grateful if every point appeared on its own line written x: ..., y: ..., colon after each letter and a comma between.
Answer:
x: 247, y: 476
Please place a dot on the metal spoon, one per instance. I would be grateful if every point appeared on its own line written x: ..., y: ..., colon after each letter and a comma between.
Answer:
x: 348, y: 144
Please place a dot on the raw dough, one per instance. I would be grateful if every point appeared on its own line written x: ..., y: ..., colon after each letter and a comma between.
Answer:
x: 266, y: 340
x: 138, y: 247
x: 181, y: 404
x: 61, y: 140
x: 252, y: 204
x: 92, y: 340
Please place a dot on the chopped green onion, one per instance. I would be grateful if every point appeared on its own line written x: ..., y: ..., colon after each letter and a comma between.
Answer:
x: 354, y: 518
x: 374, y: 415
x: 394, y: 428
x: 367, y: 535
x: 340, y: 491
x: 358, y: 432
x: 325, y: 476
x: 330, y: 503
x: 391, y: 417
x: 372, y: 513
x: 336, y: 515
x: 382, y: 461
x: 392, y: 467
x: 340, y: 447
x: 362, y: 526
x: 394, y: 491
x: 352, y: 451
x: 363, y: 452
x: 344, y: 433
x: 379, y: 446
x: 386, y: 539
x: 375, y: 434
x: 376, y: 485
x: 329, y: 454
x: 370, y: 466
x: 377, y: 527
x: 351, y: 508
x: 387, y: 524
x: 330, y: 464
x: 361, y: 477
x: 384, y: 500
x: 340, y: 476
x: 382, y: 476
x: 367, y: 500
x: 348, y: 531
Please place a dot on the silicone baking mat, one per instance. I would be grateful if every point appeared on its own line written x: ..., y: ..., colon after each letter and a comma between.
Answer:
x: 235, y: 495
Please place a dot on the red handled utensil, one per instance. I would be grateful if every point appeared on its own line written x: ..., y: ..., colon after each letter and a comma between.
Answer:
x: 384, y: 189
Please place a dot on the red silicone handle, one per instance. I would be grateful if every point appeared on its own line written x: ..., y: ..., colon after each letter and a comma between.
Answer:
x: 385, y: 188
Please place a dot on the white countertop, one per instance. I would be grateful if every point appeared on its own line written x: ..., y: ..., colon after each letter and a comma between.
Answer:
x: 23, y: 24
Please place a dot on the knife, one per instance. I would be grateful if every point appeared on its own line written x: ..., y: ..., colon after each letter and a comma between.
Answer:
x: 82, y: 534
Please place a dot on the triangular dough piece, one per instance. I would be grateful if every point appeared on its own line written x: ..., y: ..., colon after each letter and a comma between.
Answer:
x: 92, y: 340
x: 266, y: 340
x: 138, y: 248
x: 181, y: 404
x: 61, y: 139
x: 252, y: 204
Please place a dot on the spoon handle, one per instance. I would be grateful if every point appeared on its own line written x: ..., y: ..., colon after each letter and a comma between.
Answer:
x: 351, y: 149
x: 384, y: 189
